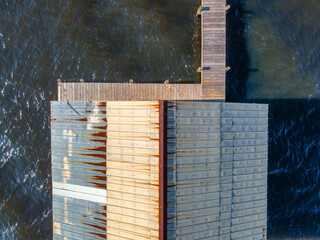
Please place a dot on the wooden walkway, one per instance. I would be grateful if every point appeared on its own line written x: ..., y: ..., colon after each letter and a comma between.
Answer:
x: 127, y: 91
x: 212, y: 87
x: 214, y: 49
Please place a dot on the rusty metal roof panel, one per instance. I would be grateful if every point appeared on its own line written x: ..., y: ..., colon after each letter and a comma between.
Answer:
x: 133, y: 170
x: 78, y: 157
x: 245, y: 145
x: 105, y: 155
x: 217, y: 165
x: 78, y: 219
x: 193, y: 170
x: 78, y: 143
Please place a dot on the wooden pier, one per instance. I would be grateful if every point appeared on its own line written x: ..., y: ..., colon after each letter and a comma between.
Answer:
x: 213, y: 63
x: 213, y: 53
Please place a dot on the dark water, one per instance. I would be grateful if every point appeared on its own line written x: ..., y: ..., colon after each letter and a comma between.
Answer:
x: 273, y: 51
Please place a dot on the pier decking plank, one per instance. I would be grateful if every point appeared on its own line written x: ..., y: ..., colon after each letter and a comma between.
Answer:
x: 213, y: 52
x: 127, y: 91
x: 213, y: 84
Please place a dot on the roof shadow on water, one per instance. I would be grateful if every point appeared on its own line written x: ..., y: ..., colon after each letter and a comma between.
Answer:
x: 237, y: 56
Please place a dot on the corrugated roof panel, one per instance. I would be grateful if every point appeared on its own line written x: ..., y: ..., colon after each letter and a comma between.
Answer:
x: 78, y: 219
x: 193, y: 170
x: 217, y: 161
x: 105, y: 156
x: 133, y: 170
x: 78, y: 143
x: 248, y: 124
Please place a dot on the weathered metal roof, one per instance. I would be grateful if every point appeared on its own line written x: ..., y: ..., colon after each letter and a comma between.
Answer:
x: 151, y: 170
x: 105, y: 160
x: 78, y: 143
x: 217, y: 170
x: 133, y: 170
